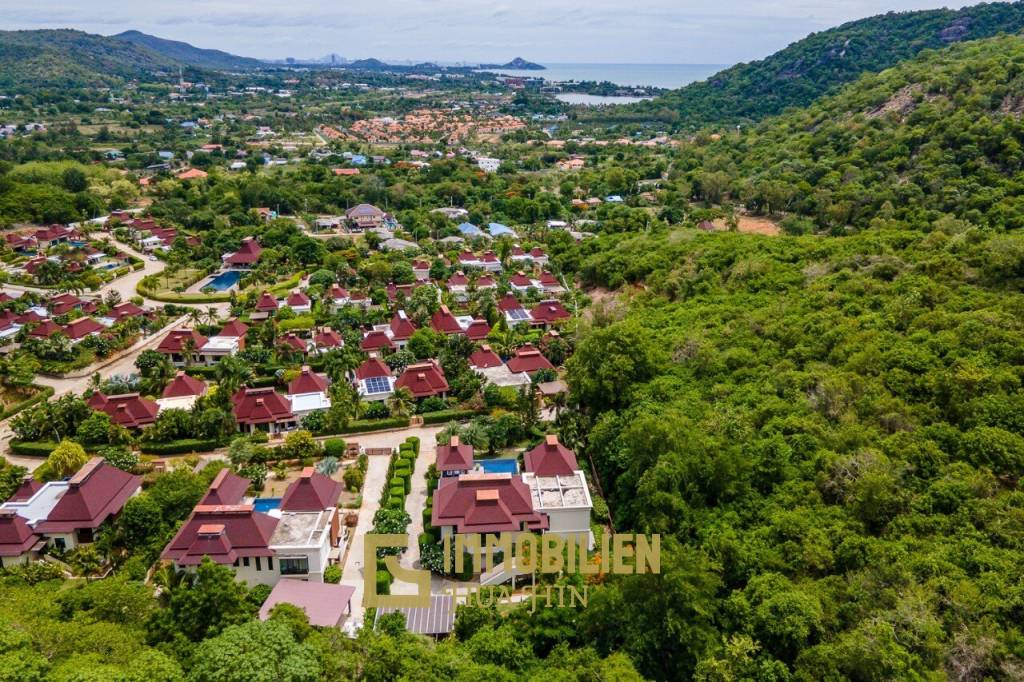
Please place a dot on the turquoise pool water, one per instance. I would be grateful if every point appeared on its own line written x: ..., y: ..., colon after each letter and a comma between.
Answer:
x: 224, y: 280
x: 265, y: 504
x: 498, y: 466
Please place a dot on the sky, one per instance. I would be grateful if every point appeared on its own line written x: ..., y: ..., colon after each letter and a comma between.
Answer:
x: 553, y: 31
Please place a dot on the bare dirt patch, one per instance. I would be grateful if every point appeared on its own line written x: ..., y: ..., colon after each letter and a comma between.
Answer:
x: 750, y: 225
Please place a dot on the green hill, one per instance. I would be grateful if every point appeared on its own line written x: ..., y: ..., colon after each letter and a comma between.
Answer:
x: 822, y: 62
x: 67, y: 58
x: 188, y: 54
x: 937, y: 137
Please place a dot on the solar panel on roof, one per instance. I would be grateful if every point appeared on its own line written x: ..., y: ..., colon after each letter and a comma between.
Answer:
x: 378, y: 385
x: 518, y: 314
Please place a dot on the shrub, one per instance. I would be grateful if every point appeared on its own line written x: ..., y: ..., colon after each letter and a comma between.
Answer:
x: 397, y: 491
x: 376, y: 410
x: 415, y: 442
x: 334, y: 447
x: 395, y: 503
x: 428, y: 513
x: 354, y: 477
x: 383, y: 582
x: 32, y: 448
x: 381, y: 564
x: 424, y: 539
x: 407, y: 483
x: 444, y: 416
x: 396, y: 482
x: 332, y: 574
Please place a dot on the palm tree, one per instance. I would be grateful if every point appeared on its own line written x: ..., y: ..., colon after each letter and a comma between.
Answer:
x: 212, y: 315
x: 195, y: 316
x: 170, y: 580
x: 189, y: 349
x: 232, y: 373
x: 401, y: 403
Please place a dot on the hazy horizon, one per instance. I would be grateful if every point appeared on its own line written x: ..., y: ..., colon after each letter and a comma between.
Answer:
x: 453, y: 31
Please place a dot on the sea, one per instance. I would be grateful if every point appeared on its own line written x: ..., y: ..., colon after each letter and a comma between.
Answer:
x: 635, y: 75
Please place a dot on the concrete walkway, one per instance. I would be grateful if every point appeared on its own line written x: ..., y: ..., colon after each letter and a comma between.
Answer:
x: 415, y: 502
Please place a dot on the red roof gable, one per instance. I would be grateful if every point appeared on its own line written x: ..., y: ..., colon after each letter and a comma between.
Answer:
x: 401, y: 326
x: 458, y: 280
x: 528, y: 359
x: 261, y: 406
x: 444, y: 322
x: 222, y: 532
x: 267, y: 303
x: 297, y: 299
x: 98, y: 491
x: 509, y: 302
x: 376, y: 340
x: 234, y: 329
x: 126, y: 309
x: 175, y: 340
x: 308, y: 381
x: 551, y: 458
x: 372, y: 367
x: 129, y: 410
x: 337, y: 293
x: 45, y: 329
x: 423, y: 379
x: 485, y: 503
x: 484, y: 357
x: 455, y: 456
x: 478, y: 330
x: 328, y: 338
x: 312, y: 491
x: 226, y: 488
x: 549, y: 311
x: 294, y: 341
x: 82, y: 327
x: 29, y: 487
x: 183, y: 386
x: 16, y: 537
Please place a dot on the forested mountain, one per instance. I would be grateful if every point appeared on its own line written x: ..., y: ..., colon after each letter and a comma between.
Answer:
x: 67, y: 58
x: 189, y: 54
x: 823, y: 62
x: 833, y: 430
x: 939, y: 137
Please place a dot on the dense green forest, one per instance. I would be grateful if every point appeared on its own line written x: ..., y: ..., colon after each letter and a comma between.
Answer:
x: 822, y: 62
x: 188, y: 54
x: 832, y: 429
x: 937, y: 137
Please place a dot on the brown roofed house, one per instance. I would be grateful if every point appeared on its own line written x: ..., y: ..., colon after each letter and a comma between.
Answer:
x: 423, y: 379
x: 550, y: 458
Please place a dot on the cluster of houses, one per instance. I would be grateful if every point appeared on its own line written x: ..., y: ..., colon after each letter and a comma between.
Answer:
x: 549, y: 495
x: 41, y: 324
x: 146, y: 235
x: 37, y: 247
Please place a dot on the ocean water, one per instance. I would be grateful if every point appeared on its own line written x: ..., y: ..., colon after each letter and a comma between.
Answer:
x: 596, y: 100
x: 637, y: 75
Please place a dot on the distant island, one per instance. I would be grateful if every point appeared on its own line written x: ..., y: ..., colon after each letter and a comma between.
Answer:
x: 517, y: 64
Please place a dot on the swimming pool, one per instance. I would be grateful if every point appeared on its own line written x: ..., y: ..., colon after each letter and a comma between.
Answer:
x: 498, y: 466
x: 224, y: 280
x: 265, y: 504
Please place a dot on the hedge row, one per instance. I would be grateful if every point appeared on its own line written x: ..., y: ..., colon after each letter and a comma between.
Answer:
x: 44, y: 393
x: 361, y: 425
x: 32, y: 448
x: 180, y: 447
x: 172, y: 297
x: 444, y: 416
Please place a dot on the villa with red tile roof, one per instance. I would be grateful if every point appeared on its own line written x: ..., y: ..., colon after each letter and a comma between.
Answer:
x: 292, y: 340
x: 455, y: 458
x: 227, y: 342
x: 177, y: 344
x: 45, y: 330
x: 423, y: 379
x: 123, y: 310
x: 484, y: 357
x: 558, y: 488
x: 182, y: 393
x: 401, y: 328
x: 262, y: 409
x: 226, y: 488
x: 129, y: 410
x: 374, y: 380
x: 513, y: 310
x: 67, y: 513
x: 18, y: 542
x: 298, y: 301
x: 478, y: 330
x: 550, y: 458
x: 267, y: 303
x: 247, y: 256
x: 65, y: 303
x: 308, y: 392
x: 484, y: 503
x: 338, y: 296
x: 234, y: 329
x: 528, y: 359
x: 326, y: 339
x: 376, y: 342
x: 365, y: 217
x: 549, y: 312
x: 443, y: 322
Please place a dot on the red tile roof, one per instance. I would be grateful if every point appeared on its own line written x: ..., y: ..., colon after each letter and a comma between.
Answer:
x: 308, y: 381
x: 98, y: 491
x: 520, y: 280
x: 184, y: 386
x: 267, y: 303
x: 312, y: 491
x: 549, y: 311
x: 294, y: 341
x: 82, y: 327
x: 444, y: 322
x: 126, y: 309
x: 29, y: 487
x: 484, y: 357
x: 478, y: 330
x: 297, y: 299
x: 458, y: 280
x: 234, y: 329
x: 65, y: 303
x: 174, y: 342
x: 129, y: 410
x: 328, y: 338
x: 222, y: 532
x: 423, y: 379
x: 551, y: 458
x: 509, y: 302
x: 16, y: 537
x: 455, y: 456
x: 372, y: 367
x: 261, y: 406
x: 337, y: 293
x: 528, y: 359
x: 376, y: 340
x: 401, y: 326
x: 485, y: 503
x: 45, y: 329
x: 226, y: 488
